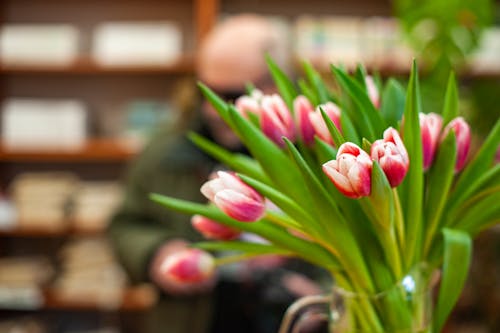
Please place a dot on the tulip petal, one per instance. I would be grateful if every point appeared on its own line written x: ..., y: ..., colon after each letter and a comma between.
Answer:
x: 189, y: 266
x: 239, y: 206
x: 212, y: 229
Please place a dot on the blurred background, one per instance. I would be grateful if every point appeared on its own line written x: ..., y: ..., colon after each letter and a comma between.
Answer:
x: 83, y: 84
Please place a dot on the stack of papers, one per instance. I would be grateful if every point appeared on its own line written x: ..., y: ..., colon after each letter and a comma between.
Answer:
x: 41, y: 123
x: 38, y: 44
x: 131, y: 43
x: 41, y: 199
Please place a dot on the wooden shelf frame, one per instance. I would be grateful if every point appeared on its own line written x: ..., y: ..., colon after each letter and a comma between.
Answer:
x: 136, y: 298
x: 24, y: 230
x: 86, y: 66
x: 93, y: 150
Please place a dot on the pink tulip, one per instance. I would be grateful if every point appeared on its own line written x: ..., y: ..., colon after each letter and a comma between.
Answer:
x: 249, y: 103
x: 430, y: 127
x: 188, y: 266
x: 372, y: 90
x: 392, y: 156
x: 276, y: 120
x: 212, y: 229
x: 333, y: 112
x: 302, y: 108
x: 234, y: 197
x: 462, y: 134
x: 351, y: 171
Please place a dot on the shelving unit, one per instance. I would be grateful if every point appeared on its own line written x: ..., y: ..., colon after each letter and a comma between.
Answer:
x: 104, y: 89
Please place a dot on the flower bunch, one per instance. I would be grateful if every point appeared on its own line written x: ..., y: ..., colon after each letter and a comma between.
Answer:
x: 361, y: 181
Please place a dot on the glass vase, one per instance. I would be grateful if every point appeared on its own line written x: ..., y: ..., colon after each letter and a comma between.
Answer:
x: 404, y: 308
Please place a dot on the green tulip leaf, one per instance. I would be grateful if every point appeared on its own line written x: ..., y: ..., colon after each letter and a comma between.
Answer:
x: 441, y: 177
x: 368, y: 118
x: 411, y: 190
x: 456, y: 262
x: 393, y: 103
x: 450, y: 110
x: 324, y: 152
x: 337, y: 137
x: 482, y: 209
x: 218, y: 103
x: 286, y: 204
x: 272, y: 159
x: 316, y: 81
x: 283, y: 83
x: 253, y: 249
x: 348, y: 129
x: 476, y: 168
x: 277, y: 236
x: 308, y: 92
x: 237, y: 162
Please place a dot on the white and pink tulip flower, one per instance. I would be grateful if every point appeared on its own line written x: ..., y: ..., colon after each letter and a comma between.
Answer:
x: 430, y: 127
x: 188, y: 266
x: 351, y: 171
x: 212, y: 229
x: 302, y: 108
x: 372, y: 90
x: 319, y: 125
x: 392, y: 156
x: 234, y: 197
x: 462, y: 134
x: 276, y: 120
x: 249, y: 103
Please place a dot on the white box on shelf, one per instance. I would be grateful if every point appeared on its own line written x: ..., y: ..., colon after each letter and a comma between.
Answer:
x: 486, y: 58
x: 40, y: 123
x: 343, y: 40
x: 38, y: 44
x: 136, y: 43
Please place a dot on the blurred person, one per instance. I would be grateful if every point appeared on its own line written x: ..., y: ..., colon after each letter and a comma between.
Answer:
x: 145, y: 233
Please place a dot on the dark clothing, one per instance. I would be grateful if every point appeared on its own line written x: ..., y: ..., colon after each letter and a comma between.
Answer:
x: 173, y: 166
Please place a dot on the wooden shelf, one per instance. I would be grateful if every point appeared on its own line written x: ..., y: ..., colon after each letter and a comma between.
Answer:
x: 93, y: 150
x: 86, y: 66
x: 138, y: 298
x: 35, y: 232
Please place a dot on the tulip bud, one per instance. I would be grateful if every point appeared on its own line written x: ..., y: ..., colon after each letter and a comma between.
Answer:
x: 462, y: 134
x: 302, y: 108
x: 249, y: 103
x: 392, y: 156
x: 188, y: 266
x: 372, y: 90
x: 430, y: 127
x: 351, y: 171
x: 212, y: 229
x: 276, y: 120
x: 333, y: 112
x: 234, y: 197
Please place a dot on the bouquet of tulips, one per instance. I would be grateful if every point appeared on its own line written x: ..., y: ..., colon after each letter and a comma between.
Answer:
x: 357, y: 180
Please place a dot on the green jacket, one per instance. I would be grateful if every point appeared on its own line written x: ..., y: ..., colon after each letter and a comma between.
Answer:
x: 173, y: 166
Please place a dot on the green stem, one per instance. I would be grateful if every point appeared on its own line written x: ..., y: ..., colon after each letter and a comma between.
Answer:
x: 399, y: 221
x: 393, y: 256
x: 369, y: 321
x: 231, y: 259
